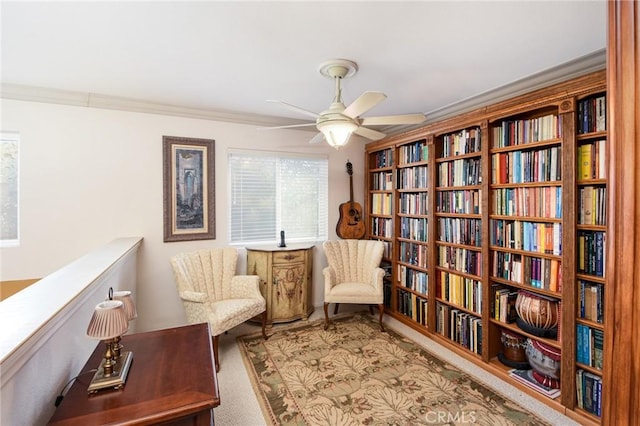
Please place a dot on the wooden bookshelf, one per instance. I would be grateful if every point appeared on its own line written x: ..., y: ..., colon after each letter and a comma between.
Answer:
x: 412, y: 237
x: 378, y: 208
x: 527, y: 230
x: 459, y: 255
x: 591, y: 221
x: 503, y: 189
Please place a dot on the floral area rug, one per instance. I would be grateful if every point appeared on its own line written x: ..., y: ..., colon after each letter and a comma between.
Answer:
x: 353, y: 374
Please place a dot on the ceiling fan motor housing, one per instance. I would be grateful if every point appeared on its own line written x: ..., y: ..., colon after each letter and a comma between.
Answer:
x: 338, y: 68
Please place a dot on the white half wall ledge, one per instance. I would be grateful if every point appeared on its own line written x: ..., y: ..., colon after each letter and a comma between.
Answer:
x: 43, y: 341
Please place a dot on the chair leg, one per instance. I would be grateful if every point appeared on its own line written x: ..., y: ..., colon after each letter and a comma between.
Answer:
x: 326, y: 316
x: 371, y: 309
x: 381, y: 309
x: 215, y: 352
x: 264, y: 324
x: 335, y: 308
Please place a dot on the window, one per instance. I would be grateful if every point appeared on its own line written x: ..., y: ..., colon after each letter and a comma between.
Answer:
x: 9, y: 173
x: 273, y: 191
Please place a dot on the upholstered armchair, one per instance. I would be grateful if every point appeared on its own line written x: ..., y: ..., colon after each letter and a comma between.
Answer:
x: 353, y: 275
x: 212, y: 292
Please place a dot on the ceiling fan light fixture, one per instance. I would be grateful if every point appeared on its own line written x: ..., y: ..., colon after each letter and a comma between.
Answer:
x: 337, y: 134
x: 337, y: 123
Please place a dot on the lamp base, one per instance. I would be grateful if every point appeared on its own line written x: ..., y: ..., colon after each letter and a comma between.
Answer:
x: 115, y: 380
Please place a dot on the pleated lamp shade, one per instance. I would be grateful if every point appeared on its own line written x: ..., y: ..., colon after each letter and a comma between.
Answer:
x: 127, y: 300
x: 109, y: 320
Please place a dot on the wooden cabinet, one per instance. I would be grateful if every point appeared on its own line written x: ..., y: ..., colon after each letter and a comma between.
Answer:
x: 285, y: 280
x: 502, y: 203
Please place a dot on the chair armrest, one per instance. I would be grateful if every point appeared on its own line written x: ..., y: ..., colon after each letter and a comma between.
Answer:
x: 193, y: 296
x: 330, y: 279
x: 376, y: 278
x: 195, y: 306
x: 245, y: 287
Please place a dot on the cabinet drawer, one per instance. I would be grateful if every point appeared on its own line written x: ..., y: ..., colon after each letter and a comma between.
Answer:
x: 288, y: 256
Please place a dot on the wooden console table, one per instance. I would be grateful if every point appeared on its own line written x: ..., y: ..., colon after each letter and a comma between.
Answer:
x: 172, y: 380
x: 285, y: 279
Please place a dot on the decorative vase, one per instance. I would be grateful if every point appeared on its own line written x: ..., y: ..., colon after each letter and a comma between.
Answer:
x: 537, y: 314
x: 514, y: 346
x: 545, y: 362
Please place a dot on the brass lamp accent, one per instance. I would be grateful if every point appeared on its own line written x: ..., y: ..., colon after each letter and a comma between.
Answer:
x: 130, y: 308
x: 109, y: 321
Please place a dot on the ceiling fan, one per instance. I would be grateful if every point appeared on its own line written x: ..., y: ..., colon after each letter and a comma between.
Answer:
x: 337, y: 123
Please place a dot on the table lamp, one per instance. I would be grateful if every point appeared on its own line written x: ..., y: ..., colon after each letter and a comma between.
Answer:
x: 109, y: 321
x: 129, y: 308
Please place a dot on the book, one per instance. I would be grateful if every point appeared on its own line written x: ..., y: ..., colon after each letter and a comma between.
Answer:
x: 584, y: 171
x: 579, y: 390
x: 553, y: 284
x: 579, y: 344
x: 526, y: 378
x: 602, y: 171
x: 597, y: 348
x: 587, y: 206
x: 600, y: 113
x: 591, y: 392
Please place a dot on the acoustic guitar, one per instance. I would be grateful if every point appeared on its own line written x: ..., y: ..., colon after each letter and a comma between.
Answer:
x: 350, y: 224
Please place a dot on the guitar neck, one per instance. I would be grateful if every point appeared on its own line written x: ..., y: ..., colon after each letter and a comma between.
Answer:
x: 351, y: 190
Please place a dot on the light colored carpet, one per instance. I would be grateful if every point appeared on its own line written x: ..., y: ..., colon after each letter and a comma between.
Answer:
x: 239, y: 405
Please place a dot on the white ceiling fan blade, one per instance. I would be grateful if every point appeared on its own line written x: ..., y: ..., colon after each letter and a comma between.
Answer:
x: 290, y: 126
x: 393, y: 119
x: 364, y: 103
x: 296, y: 108
x: 317, y: 138
x: 374, y: 135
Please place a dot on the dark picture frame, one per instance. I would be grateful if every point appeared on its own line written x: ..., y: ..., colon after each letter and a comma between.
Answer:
x: 189, y: 188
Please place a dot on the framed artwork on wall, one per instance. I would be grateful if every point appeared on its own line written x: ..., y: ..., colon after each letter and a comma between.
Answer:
x: 189, y: 188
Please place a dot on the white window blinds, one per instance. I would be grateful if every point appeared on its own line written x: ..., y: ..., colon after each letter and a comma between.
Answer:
x: 272, y: 191
x: 9, y: 189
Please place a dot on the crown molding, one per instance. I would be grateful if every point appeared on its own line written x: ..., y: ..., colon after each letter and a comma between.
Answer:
x: 592, y: 62
x: 578, y: 67
x: 94, y: 100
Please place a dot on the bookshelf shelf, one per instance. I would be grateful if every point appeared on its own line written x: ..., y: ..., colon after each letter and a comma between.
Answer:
x: 514, y: 328
x: 528, y: 218
x: 499, y: 197
x: 412, y: 164
x: 458, y: 306
x: 457, y: 215
x: 593, y: 278
x: 526, y: 287
x: 458, y: 272
x: 526, y: 146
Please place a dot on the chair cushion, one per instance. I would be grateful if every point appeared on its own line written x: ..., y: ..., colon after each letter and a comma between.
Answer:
x: 352, y: 292
x: 228, y: 313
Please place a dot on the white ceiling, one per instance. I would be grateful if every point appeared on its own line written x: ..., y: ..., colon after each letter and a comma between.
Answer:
x: 233, y: 56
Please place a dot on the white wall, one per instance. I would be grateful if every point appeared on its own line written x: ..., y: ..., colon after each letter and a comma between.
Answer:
x: 43, y: 342
x: 90, y: 175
